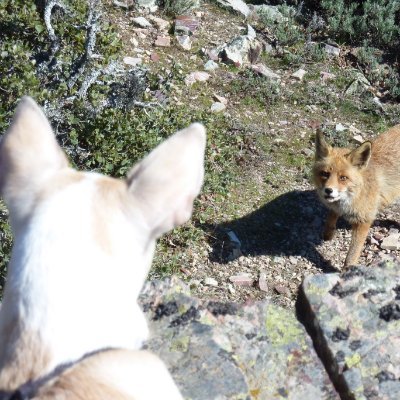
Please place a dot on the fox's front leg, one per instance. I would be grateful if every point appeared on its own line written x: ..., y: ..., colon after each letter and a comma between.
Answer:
x: 330, y: 225
x: 358, y: 236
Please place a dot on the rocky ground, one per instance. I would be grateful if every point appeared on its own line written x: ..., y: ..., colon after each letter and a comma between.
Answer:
x: 267, y: 235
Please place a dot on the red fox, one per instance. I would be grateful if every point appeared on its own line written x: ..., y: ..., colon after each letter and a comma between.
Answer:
x: 356, y: 184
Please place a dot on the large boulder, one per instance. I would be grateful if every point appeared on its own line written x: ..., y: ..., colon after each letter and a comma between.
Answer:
x: 232, y: 351
x: 354, y: 319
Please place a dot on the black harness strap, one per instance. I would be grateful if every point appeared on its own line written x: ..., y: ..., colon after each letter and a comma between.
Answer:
x: 30, y: 389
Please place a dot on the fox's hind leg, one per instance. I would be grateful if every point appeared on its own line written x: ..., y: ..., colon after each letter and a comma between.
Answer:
x: 330, y: 225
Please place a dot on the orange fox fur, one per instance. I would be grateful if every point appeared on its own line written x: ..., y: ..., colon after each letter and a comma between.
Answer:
x: 357, y: 184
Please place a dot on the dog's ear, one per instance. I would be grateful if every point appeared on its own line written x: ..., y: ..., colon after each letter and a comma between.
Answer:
x: 29, y: 151
x: 360, y: 156
x: 166, y: 182
x: 322, y: 148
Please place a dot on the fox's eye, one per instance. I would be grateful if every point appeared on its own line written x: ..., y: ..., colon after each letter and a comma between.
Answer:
x: 324, y: 174
x: 343, y: 178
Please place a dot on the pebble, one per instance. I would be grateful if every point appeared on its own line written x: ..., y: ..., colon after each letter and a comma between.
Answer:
x: 217, y: 107
x: 210, y: 282
x: 163, y: 41
x: 141, y: 22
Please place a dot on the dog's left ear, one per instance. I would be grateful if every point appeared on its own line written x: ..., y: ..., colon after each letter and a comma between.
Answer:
x: 360, y: 156
x: 29, y: 153
x: 166, y: 182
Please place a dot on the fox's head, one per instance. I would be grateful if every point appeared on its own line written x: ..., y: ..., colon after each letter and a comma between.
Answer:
x: 337, y: 172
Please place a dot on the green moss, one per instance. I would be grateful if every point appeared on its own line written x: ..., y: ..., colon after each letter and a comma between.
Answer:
x: 353, y: 360
x: 282, y: 328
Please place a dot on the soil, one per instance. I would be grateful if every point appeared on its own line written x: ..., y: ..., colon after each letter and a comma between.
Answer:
x: 275, y: 239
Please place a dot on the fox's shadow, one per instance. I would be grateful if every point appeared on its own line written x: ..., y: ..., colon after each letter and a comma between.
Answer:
x: 290, y: 225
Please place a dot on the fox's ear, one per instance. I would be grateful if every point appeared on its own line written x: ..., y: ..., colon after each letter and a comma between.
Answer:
x: 28, y: 152
x: 360, y: 156
x: 322, y: 148
x: 166, y: 182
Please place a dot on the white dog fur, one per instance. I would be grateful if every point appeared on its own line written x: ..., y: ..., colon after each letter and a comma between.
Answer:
x: 83, y: 245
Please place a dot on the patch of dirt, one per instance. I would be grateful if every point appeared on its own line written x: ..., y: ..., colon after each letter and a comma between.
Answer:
x: 277, y: 236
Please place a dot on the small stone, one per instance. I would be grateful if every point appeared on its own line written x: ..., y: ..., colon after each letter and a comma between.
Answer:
x: 210, y: 65
x: 378, y: 236
x: 280, y: 289
x: 210, y: 282
x: 358, y: 139
x: 222, y: 100
x: 197, y: 76
x: 262, y: 282
x: 391, y: 242
x: 163, y: 41
x: 340, y: 128
x: 154, y: 57
x: 332, y: 50
x: 242, y: 280
x: 217, y: 107
x: 265, y: 71
x: 299, y: 74
x: 141, y: 22
x: 161, y: 24
x: 134, y: 42
x: 184, y: 41
x: 132, y: 61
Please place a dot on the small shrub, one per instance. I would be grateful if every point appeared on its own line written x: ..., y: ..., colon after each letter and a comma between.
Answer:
x: 180, y: 7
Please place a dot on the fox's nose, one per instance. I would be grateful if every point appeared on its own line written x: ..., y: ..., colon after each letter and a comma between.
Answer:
x: 328, y: 190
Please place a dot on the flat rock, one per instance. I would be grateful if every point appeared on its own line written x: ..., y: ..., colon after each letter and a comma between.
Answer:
x: 265, y: 71
x: 391, y: 242
x: 210, y: 65
x: 355, y: 321
x: 132, y: 61
x: 142, y: 22
x: 299, y: 74
x: 218, y: 350
x: 236, y: 5
x: 196, y: 76
x: 217, y: 107
x: 160, y: 23
x: 332, y: 50
x: 163, y: 41
x: 184, y: 41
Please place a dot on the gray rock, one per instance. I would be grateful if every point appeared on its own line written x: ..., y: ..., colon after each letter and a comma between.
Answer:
x: 149, y: 4
x: 299, y: 74
x: 242, y: 49
x: 359, y: 85
x: 210, y: 65
x: 141, y: 22
x: 332, y: 50
x: 391, y: 242
x: 229, y: 351
x: 217, y: 107
x: 236, y: 5
x: 355, y: 321
x: 265, y: 71
x: 184, y: 41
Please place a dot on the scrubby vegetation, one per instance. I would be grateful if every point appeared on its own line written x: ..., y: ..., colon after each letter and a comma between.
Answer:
x: 107, y: 115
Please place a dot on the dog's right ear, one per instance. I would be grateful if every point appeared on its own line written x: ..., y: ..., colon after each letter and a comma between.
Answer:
x: 166, y: 182
x: 322, y: 148
x: 29, y: 152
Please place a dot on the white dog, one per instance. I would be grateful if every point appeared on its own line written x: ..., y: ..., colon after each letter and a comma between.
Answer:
x: 70, y: 325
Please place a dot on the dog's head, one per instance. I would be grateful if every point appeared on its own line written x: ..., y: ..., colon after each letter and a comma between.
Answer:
x: 90, y: 213
x: 337, y: 171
